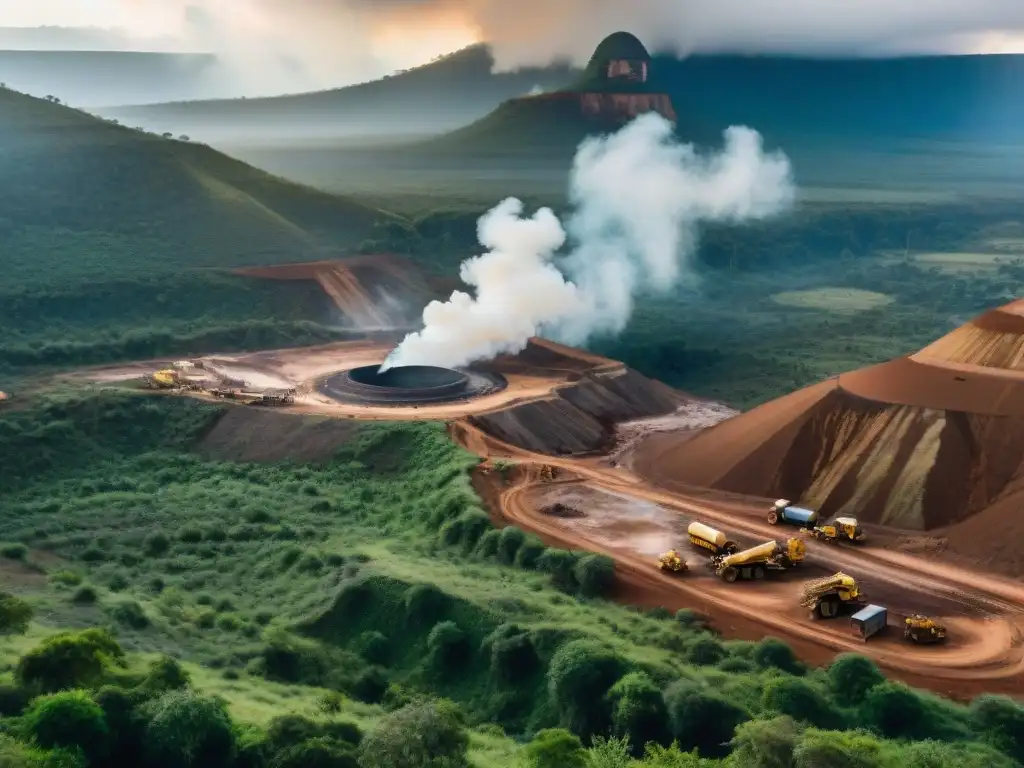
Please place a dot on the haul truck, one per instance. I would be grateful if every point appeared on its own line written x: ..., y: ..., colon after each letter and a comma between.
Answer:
x: 672, y: 562
x: 754, y: 562
x: 840, y: 529
x: 826, y: 598
x: 922, y: 629
x: 784, y: 512
x: 706, y: 537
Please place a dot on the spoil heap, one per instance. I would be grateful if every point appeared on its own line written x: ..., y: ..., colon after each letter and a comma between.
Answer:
x: 929, y: 442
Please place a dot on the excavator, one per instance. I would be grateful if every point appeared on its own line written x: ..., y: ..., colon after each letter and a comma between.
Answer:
x: 672, y: 562
x: 923, y: 630
x: 826, y: 598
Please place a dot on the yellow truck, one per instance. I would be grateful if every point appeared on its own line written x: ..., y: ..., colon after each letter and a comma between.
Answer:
x: 840, y: 529
x: 706, y: 537
x: 826, y: 598
x: 923, y: 629
x: 672, y: 562
x: 753, y: 563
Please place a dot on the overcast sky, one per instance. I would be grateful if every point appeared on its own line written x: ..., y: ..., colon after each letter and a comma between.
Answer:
x: 331, y: 42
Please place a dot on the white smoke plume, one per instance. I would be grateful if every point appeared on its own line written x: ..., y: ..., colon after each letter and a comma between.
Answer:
x: 638, y: 197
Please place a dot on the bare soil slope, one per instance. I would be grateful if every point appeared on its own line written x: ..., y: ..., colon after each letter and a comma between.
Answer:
x: 252, y: 434
x: 919, y: 443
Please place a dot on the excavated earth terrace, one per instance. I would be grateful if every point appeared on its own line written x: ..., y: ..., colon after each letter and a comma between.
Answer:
x: 367, y: 385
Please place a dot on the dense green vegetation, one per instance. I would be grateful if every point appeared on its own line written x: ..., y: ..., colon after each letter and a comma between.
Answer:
x: 173, y: 608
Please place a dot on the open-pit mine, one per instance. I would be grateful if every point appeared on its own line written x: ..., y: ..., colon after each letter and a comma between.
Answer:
x: 923, y: 451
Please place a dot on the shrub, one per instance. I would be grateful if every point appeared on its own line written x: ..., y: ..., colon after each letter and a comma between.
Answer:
x: 801, y: 700
x: 69, y: 660
x: 66, y: 578
x: 425, y: 605
x: 560, y: 565
x: 318, y: 752
x: 15, y: 551
x: 766, y: 743
x: 13, y: 700
x: 130, y: 614
x: 689, y: 619
x: 68, y: 719
x: 773, y: 653
x: 156, y: 544
x: 117, y: 583
x: 530, y: 553
x: 186, y: 730
x: 702, y: 720
x: 510, y: 540
x: 851, y: 676
x: 894, y: 710
x: 580, y: 674
x: 370, y: 685
x: 845, y: 749
x: 638, y: 711
x: 84, y: 595
x: 487, y: 547
x: 189, y: 534
x: 446, y: 645
x: 513, y: 657
x: 373, y: 647
x: 705, y: 651
x: 595, y: 575
x: 165, y: 674
x: 555, y: 748
x: 1000, y: 721
x: 15, y: 615
x: 416, y: 736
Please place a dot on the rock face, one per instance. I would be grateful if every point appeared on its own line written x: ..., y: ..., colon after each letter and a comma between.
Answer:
x: 622, y: 107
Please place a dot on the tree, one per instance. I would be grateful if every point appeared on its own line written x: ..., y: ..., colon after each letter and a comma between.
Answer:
x: 772, y: 652
x: 657, y: 756
x: 68, y: 719
x: 894, y: 711
x: 1000, y: 720
x: 69, y: 660
x: 703, y: 720
x: 186, y: 730
x: 555, y: 748
x: 837, y: 749
x: 422, y: 735
x: 447, y: 646
x: 851, y: 676
x: 800, y: 700
x: 595, y: 575
x: 610, y: 753
x: 766, y: 743
x: 580, y: 674
x: 15, y: 614
x: 638, y: 711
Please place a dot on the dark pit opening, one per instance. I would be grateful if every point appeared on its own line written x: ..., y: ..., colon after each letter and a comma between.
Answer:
x: 407, y: 377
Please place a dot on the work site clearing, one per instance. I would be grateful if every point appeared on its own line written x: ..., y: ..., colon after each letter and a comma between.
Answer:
x: 573, y: 449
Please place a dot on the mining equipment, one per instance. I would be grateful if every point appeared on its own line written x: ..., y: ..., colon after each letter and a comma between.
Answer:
x: 922, y: 629
x: 547, y: 474
x: 168, y: 378
x: 753, y: 563
x: 869, y: 621
x: 782, y: 511
x: 706, y: 537
x: 826, y: 598
x: 270, y: 397
x: 840, y: 529
x: 672, y: 562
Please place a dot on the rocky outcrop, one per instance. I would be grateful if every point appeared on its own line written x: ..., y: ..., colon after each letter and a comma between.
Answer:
x: 621, y: 107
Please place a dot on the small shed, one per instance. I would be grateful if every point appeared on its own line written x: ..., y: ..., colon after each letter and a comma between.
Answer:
x: 870, y: 620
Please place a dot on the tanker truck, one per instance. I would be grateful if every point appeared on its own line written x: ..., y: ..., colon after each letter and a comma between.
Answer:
x: 782, y: 511
x: 706, y: 537
x: 753, y: 563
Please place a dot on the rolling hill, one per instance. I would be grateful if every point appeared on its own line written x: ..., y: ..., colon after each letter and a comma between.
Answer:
x: 103, y: 226
x: 444, y: 94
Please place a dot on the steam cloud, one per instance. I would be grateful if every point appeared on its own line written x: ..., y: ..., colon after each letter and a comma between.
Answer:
x: 638, y: 197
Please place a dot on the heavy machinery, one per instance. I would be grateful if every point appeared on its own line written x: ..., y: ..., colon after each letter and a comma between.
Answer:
x: 826, y: 598
x: 840, y: 529
x: 276, y: 397
x: 168, y: 378
x: 782, y: 511
x: 267, y: 397
x: 706, y: 537
x: 672, y: 562
x: 922, y: 629
x: 753, y: 563
x: 547, y: 474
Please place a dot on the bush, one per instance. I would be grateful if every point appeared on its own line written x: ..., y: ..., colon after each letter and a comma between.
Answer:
x: 1000, y: 721
x: 15, y: 614
x: 13, y: 700
x: 417, y: 736
x: 156, y: 544
x: 186, y: 730
x: 13, y: 551
x: 560, y: 565
x: 702, y: 720
x: 130, y: 614
x: 834, y: 748
x: 638, y: 711
x: 68, y: 719
x: 165, y: 674
x: 510, y: 540
x: 446, y: 646
x: 370, y: 685
x: 425, y: 605
x: 84, y: 595
x: 318, y: 752
x: 766, y: 743
x: 895, y: 711
x: 530, y: 553
x: 69, y: 660
x: 513, y: 657
x: 595, y: 575
x: 705, y: 651
x: 689, y: 619
x: 801, y: 700
x: 66, y: 578
x: 487, y: 547
x: 773, y: 653
x: 555, y: 748
x: 851, y: 676
x: 373, y: 647
x: 579, y: 676
x: 190, y: 534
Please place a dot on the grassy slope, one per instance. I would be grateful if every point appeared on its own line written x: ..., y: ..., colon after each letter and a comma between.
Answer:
x: 107, y: 231
x: 335, y: 564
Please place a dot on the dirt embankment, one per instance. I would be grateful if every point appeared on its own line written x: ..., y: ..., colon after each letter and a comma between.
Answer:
x: 251, y: 434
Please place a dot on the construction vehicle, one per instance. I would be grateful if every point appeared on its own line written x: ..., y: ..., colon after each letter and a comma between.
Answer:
x: 706, y: 537
x: 277, y: 397
x: 754, y: 562
x: 782, y: 511
x: 840, y: 529
x: 547, y: 474
x: 826, y: 598
x: 672, y: 562
x: 922, y: 629
x: 168, y: 378
x: 869, y: 621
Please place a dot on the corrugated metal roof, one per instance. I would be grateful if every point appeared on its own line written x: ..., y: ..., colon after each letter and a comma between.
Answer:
x: 869, y: 612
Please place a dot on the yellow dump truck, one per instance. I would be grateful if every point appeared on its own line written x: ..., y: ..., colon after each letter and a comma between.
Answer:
x: 672, y: 562
x: 922, y: 629
x: 753, y: 563
x: 826, y: 598
x: 840, y: 529
x: 167, y: 378
x: 706, y: 537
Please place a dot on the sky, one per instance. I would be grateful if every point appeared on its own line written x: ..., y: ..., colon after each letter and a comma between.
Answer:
x: 333, y: 42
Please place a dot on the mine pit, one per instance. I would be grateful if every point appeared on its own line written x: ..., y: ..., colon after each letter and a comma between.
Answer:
x: 408, y: 385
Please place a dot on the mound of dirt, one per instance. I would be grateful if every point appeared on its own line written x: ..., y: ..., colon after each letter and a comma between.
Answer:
x: 580, y: 418
x: 993, y: 340
x: 919, y: 443
x: 249, y: 433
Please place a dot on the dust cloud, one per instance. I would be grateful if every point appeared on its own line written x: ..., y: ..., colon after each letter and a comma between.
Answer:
x: 637, y: 199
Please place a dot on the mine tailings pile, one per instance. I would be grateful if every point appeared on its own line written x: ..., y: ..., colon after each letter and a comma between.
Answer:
x: 932, y: 442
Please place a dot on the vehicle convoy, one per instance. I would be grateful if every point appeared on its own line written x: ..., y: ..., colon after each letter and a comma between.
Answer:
x: 869, y: 621
x: 753, y: 563
x: 706, y: 537
x: 922, y: 629
x: 840, y: 529
x: 672, y: 562
x: 827, y: 597
x: 782, y: 511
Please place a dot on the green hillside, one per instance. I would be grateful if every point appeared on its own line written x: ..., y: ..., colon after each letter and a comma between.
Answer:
x: 105, y: 230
